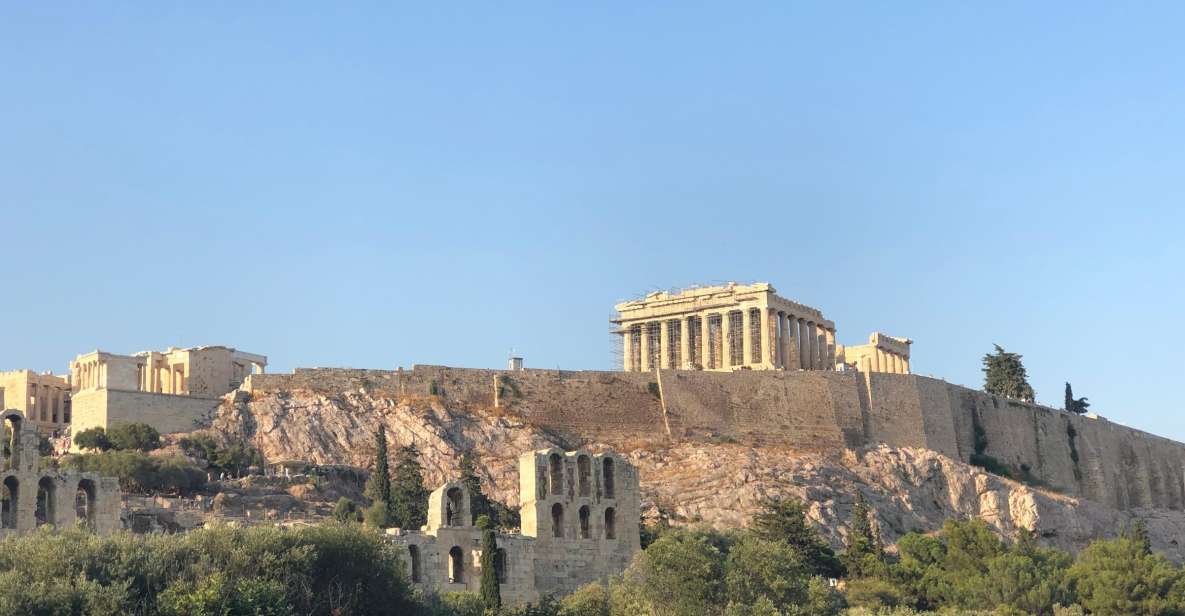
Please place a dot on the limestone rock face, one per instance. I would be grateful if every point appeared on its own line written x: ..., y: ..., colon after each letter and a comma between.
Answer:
x: 720, y: 483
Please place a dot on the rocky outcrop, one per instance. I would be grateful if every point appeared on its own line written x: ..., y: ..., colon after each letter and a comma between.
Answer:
x: 714, y: 480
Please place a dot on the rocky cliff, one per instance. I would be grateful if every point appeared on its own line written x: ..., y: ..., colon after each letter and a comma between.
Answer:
x: 686, y: 474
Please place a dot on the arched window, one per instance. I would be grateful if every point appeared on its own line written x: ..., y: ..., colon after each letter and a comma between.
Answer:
x: 584, y: 525
x: 84, y: 502
x: 607, y: 476
x: 12, y: 424
x: 10, y: 504
x: 556, y: 463
x: 610, y: 523
x: 456, y: 565
x: 500, y: 565
x: 557, y: 520
x: 453, y: 507
x: 45, y: 501
x: 414, y: 554
x: 584, y: 470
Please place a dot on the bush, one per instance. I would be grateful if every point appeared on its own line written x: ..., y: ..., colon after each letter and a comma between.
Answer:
x: 138, y: 436
x: 378, y: 515
x: 93, y: 438
x: 347, y: 510
x: 141, y: 473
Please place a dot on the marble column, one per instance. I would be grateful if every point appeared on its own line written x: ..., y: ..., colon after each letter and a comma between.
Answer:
x: 685, y: 343
x: 645, y: 346
x: 905, y: 365
x: 784, y: 341
x: 769, y: 325
x: 747, y: 358
x: 725, y: 343
x: 810, y: 344
x: 664, y: 344
x: 705, y: 341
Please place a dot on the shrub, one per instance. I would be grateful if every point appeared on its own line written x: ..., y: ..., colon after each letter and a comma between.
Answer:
x: 141, y: 473
x: 93, y: 438
x: 139, y: 436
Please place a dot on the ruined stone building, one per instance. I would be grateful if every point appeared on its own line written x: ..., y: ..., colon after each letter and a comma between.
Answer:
x: 44, y: 399
x: 881, y: 354
x: 733, y: 327
x: 31, y: 496
x: 580, y: 516
x: 168, y: 390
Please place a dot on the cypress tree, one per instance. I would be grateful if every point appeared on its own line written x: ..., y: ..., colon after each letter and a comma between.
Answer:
x: 409, y: 497
x: 783, y: 520
x: 1069, y: 398
x: 864, y: 550
x: 378, y: 487
x: 1004, y: 375
x: 1075, y: 405
x: 491, y: 595
x: 479, y: 503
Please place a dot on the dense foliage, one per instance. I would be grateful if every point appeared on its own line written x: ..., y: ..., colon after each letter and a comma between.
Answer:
x: 1004, y: 375
x: 233, y: 459
x: 330, y: 569
x: 140, y: 473
x: 133, y: 436
x: 409, y: 497
x: 1075, y: 405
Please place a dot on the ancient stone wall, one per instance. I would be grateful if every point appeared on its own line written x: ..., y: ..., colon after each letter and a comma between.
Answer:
x: 807, y: 410
x: 165, y: 412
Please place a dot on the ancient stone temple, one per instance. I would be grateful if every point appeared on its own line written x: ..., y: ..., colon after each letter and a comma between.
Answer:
x: 170, y: 390
x: 725, y: 327
x: 31, y: 496
x: 44, y: 399
x: 580, y: 516
x: 881, y: 354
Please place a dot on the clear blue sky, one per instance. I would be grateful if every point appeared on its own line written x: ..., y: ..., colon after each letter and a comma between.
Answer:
x: 372, y: 186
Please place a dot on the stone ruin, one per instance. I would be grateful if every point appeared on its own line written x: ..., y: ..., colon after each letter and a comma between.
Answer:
x: 580, y: 517
x: 31, y: 496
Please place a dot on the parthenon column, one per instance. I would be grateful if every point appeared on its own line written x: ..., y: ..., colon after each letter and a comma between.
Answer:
x: 809, y: 344
x: 905, y: 364
x: 725, y: 333
x: 664, y: 344
x: 769, y: 325
x: 783, y: 340
x: 821, y: 342
x: 645, y: 346
x: 831, y: 349
x: 879, y: 360
x: 747, y: 358
x: 705, y: 337
x: 685, y: 343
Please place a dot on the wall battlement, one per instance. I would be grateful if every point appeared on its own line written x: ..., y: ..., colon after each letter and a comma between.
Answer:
x: 806, y: 410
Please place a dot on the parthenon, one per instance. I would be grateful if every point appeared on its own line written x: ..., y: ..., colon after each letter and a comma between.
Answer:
x: 727, y: 327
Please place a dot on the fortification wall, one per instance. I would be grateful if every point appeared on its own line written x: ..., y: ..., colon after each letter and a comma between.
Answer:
x: 810, y: 410
x: 167, y: 413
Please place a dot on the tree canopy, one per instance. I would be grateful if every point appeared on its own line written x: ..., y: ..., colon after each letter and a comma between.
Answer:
x: 1004, y: 375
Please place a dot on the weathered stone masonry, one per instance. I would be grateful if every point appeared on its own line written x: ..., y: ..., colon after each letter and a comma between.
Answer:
x: 580, y: 515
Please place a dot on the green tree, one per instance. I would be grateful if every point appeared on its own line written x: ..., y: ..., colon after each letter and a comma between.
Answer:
x: 680, y: 574
x: 784, y: 520
x: 1075, y: 405
x: 491, y: 595
x: 409, y: 497
x: 1117, y: 577
x: 346, y: 510
x: 378, y: 486
x: 135, y: 435
x: 479, y: 503
x: 1004, y: 375
x: 757, y: 568
x: 93, y: 438
x: 865, y: 553
x: 378, y: 515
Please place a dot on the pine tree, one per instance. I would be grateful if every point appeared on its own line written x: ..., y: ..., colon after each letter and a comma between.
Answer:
x: 378, y: 487
x: 1004, y: 375
x: 784, y: 520
x: 491, y: 595
x: 1075, y: 405
x: 865, y: 551
x: 409, y: 497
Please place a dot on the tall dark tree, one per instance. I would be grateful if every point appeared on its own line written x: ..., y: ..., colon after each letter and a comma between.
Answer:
x: 1004, y: 375
x: 491, y: 594
x: 378, y: 487
x: 864, y: 553
x: 784, y: 520
x: 409, y: 497
x: 1075, y: 405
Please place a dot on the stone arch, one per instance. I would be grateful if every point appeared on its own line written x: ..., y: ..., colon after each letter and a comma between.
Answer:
x: 13, y: 421
x: 454, y: 499
x: 413, y: 553
x: 456, y: 565
x: 46, y: 497
x: 84, y: 502
x: 500, y: 565
x: 607, y: 473
x: 584, y: 473
x: 10, y: 507
x: 555, y: 464
x: 610, y: 523
x: 557, y: 521
x: 585, y: 525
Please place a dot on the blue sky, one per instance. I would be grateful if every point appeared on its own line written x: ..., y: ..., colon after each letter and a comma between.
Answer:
x: 376, y: 186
